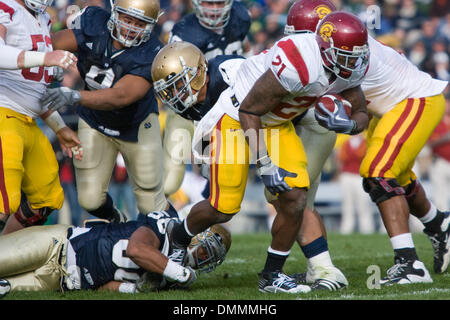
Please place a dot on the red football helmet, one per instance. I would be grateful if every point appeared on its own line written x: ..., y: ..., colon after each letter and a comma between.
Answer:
x: 304, y: 15
x: 343, y: 42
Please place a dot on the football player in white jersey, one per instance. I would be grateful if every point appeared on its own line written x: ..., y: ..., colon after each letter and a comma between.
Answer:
x: 270, y: 89
x: 392, y: 85
x: 27, y: 160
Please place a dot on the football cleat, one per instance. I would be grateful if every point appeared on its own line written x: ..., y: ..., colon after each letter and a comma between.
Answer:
x: 118, y: 216
x: 276, y: 282
x: 322, y: 278
x: 300, y: 278
x: 5, y: 287
x: 177, y: 252
x: 406, y: 272
x: 441, y: 245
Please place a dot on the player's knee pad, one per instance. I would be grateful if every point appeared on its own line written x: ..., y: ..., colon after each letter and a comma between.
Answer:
x: 382, y: 189
x: 28, y: 217
x: 411, y: 190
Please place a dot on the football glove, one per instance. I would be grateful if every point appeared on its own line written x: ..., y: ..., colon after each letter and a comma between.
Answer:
x: 338, y: 122
x: 273, y: 176
x: 58, y: 73
x: 57, y: 98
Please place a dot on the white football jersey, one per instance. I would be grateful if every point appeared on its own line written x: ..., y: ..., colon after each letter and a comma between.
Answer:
x: 392, y: 78
x: 296, y: 62
x: 21, y: 89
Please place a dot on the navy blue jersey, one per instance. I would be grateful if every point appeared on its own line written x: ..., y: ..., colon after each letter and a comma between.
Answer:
x: 212, y: 43
x: 101, y: 251
x: 101, y: 66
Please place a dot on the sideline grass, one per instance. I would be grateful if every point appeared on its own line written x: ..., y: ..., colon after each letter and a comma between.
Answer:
x: 236, y: 278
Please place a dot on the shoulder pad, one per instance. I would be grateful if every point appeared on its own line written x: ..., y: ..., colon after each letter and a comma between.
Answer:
x: 145, y: 53
x: 94, y: 21
x: 189, y: 29
x: 240, y: 10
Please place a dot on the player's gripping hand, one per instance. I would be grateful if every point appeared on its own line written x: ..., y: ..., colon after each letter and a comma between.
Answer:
x: 337, y: 121
x: 60, y: 58
x: 273, y: 176
x: 57, y: 98
x: 70, y: 143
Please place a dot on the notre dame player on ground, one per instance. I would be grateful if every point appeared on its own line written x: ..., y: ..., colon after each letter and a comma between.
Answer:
x: 118, y: 111
x: 127, y: 257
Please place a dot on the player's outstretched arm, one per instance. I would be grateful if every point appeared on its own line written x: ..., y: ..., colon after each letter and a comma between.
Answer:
x: 13, y: 58
x: 142, y: 250
x: 64, y: 40
x: 126, y: 91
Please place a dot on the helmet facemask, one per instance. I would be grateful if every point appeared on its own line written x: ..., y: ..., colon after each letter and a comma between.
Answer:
x: 345, y: 64
x: 133, y: 35
x: 176, y: 91
x: 38, y: 6
x: 206, y: 251
x: 213, y: 18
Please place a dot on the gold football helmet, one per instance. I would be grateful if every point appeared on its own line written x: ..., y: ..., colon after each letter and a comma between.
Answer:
x: 208, y: 249
x: 144, y: 10
x: 177, y: 70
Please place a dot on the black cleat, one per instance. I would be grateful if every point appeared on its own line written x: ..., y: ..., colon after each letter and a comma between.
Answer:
x: 5, y: 287
x: 118, y: 216
x: 279, y: 282
x: 177, y: 252
x: 406, y: 272
x: 441, y: 245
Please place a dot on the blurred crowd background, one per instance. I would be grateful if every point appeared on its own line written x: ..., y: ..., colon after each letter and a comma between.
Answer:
x: 420, y: 29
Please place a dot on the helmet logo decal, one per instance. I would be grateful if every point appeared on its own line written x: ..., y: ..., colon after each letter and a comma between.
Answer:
x: 326, y: 31
x: 322, y: 11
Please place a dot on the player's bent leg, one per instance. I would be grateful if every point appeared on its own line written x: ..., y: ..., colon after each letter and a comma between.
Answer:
x: 177, y: 139
x: 144, y: 162
x: 201, y: 216
x: 436, y: 222
x: 390, y: 199
x: 33, y: 258
x: 93, y: 172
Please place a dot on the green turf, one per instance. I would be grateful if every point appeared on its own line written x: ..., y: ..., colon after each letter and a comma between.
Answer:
x: 236, y: 278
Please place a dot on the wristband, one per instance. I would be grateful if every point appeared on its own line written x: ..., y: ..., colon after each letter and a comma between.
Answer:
x: 127, y: 287
x: 175, y: 272
x: 33, y: 59
x: 55, y: 122
x: 263, y: 161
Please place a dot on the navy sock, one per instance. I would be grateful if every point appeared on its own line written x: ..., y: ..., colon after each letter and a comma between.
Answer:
x: 274, y: 262
x: 314, y: 248
x: 106, y: 210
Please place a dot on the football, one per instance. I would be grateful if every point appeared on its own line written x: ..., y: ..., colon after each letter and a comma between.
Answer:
x: 330, y: 102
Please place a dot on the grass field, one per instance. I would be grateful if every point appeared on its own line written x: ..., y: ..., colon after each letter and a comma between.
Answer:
x: 236, y: 278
